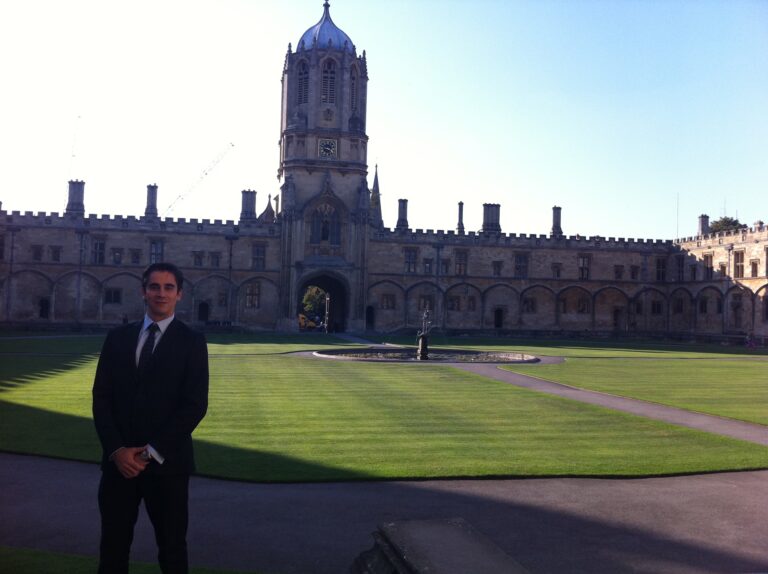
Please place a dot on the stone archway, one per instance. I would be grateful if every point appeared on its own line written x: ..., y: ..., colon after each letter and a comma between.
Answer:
x: 338, y: 302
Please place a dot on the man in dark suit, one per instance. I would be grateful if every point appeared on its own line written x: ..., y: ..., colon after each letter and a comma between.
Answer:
x: 149, y: 394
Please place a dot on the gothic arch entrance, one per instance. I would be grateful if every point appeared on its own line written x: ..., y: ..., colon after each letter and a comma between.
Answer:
x: 337, y: 304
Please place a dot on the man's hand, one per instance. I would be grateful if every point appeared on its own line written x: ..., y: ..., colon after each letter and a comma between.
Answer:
x: 128, y: 461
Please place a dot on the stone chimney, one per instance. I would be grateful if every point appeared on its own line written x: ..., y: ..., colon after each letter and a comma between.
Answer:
x: 703, y: 225
x: 491, y: 218
x: 402, y: 214
x: 248, y: 210
x: 151, y: 209
x: 557, y: 230
x: 460, y: 226
x: 75, y: 204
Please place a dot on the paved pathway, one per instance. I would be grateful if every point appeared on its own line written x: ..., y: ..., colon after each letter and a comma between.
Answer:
x: 709, y: 423
x: 694, y: 524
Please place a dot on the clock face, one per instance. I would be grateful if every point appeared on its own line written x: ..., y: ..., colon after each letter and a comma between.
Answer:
x: 326, y: 148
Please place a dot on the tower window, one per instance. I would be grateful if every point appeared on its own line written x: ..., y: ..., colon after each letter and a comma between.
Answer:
x: 353, y: 89
x: 302, y: 92
x: 329, y: 82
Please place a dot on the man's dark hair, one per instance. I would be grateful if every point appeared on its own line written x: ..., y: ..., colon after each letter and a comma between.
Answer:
x: 163, y: 266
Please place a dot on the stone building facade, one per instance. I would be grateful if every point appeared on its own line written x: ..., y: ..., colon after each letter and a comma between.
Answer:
x: 325, y: 228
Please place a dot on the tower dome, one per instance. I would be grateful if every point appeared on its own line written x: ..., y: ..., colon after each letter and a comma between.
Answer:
x: 326, y: 34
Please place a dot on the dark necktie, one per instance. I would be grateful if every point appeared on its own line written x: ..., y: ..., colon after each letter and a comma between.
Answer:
x: 149, y: 346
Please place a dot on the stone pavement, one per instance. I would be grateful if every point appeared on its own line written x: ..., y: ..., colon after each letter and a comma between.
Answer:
x: 693, y: 524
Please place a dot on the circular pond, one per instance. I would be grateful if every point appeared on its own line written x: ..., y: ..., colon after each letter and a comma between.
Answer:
x: 435, y: 355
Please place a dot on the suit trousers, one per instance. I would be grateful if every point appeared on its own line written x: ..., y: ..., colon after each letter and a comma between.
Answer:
x: 166, y: 500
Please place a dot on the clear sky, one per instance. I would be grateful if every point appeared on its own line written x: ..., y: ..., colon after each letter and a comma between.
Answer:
x: 633, y: 116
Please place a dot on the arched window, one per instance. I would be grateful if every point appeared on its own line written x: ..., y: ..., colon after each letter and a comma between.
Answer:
x: 335, y: 235
x: 317, y: 227
x: 302, y: 93
x: 353, y: 89
x: 329, y: 82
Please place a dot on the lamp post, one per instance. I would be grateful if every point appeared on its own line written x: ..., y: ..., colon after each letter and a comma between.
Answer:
x: 327, y: 310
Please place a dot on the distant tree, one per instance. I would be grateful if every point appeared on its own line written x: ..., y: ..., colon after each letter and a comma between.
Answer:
x: 313, y: 302
x: 725, y: 223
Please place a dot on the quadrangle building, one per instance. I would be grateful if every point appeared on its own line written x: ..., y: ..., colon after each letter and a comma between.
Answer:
x: 325, y: 228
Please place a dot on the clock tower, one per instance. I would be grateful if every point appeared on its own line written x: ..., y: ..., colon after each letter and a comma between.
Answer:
x: 325, y: 198
x: 322, y: 124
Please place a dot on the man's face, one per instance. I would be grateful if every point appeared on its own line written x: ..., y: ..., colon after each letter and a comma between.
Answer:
x: 161, y: 295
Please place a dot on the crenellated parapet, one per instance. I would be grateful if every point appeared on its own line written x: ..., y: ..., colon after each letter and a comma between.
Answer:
x: 522, y: 240
x: 758, y: 232
x: 106, y: 222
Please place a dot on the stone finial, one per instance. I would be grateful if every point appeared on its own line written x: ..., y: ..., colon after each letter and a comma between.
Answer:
x: 460, y: 225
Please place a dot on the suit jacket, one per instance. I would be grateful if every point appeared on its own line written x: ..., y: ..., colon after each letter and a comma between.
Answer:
x: 160, y: 408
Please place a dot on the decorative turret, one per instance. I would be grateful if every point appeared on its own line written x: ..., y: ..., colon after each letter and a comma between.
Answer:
x: 460, y: 225
x: 75, y: 205
x: 376, y: 219
x: 151, y: 209
x: 268, y: 215
x: 324, y: 104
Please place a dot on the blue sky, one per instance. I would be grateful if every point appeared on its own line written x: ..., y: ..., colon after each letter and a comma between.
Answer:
x: 633, y: 116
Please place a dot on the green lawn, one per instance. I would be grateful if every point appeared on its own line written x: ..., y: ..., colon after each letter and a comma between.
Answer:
x: 735, y: 389
x: 24, y: 561
x: 274, y: 417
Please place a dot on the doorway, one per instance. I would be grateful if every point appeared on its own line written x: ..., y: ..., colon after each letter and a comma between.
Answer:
x: 313, y: 294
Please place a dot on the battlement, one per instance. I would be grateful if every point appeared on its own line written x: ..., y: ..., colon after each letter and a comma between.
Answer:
x: 523, y: 241
x: 107, y: 222
x: 758, y: 231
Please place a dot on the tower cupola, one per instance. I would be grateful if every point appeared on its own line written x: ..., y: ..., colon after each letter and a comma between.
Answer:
x: 325, y: 34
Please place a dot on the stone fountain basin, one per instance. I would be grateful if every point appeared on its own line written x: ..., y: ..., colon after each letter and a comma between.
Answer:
x: 399, y: 354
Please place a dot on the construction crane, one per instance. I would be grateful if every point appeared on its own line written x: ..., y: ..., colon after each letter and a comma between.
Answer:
x: 211, y: 166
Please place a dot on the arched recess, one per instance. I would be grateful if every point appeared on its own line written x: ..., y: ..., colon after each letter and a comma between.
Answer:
x: 537, y: 308
x: 681, y: 310
x: 648, y: 311
x: 738, y: 310
x: 77, y: 297
x: 212, y: 293
x: 121, y: 298
x: 708, y: 310
x: 256, y: 302
x: 337, y: 288
x: 420, y: 297
x: 501, y: 307
x: 326, y: 224
x: 611, y: 309
x: 462, y: 304
x: 761, y: 312
x: 29, y: 290
x: 574, y: 308
x: 388, y: 301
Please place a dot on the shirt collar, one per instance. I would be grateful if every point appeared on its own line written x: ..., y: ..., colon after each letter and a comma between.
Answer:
x: 163, y: 325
